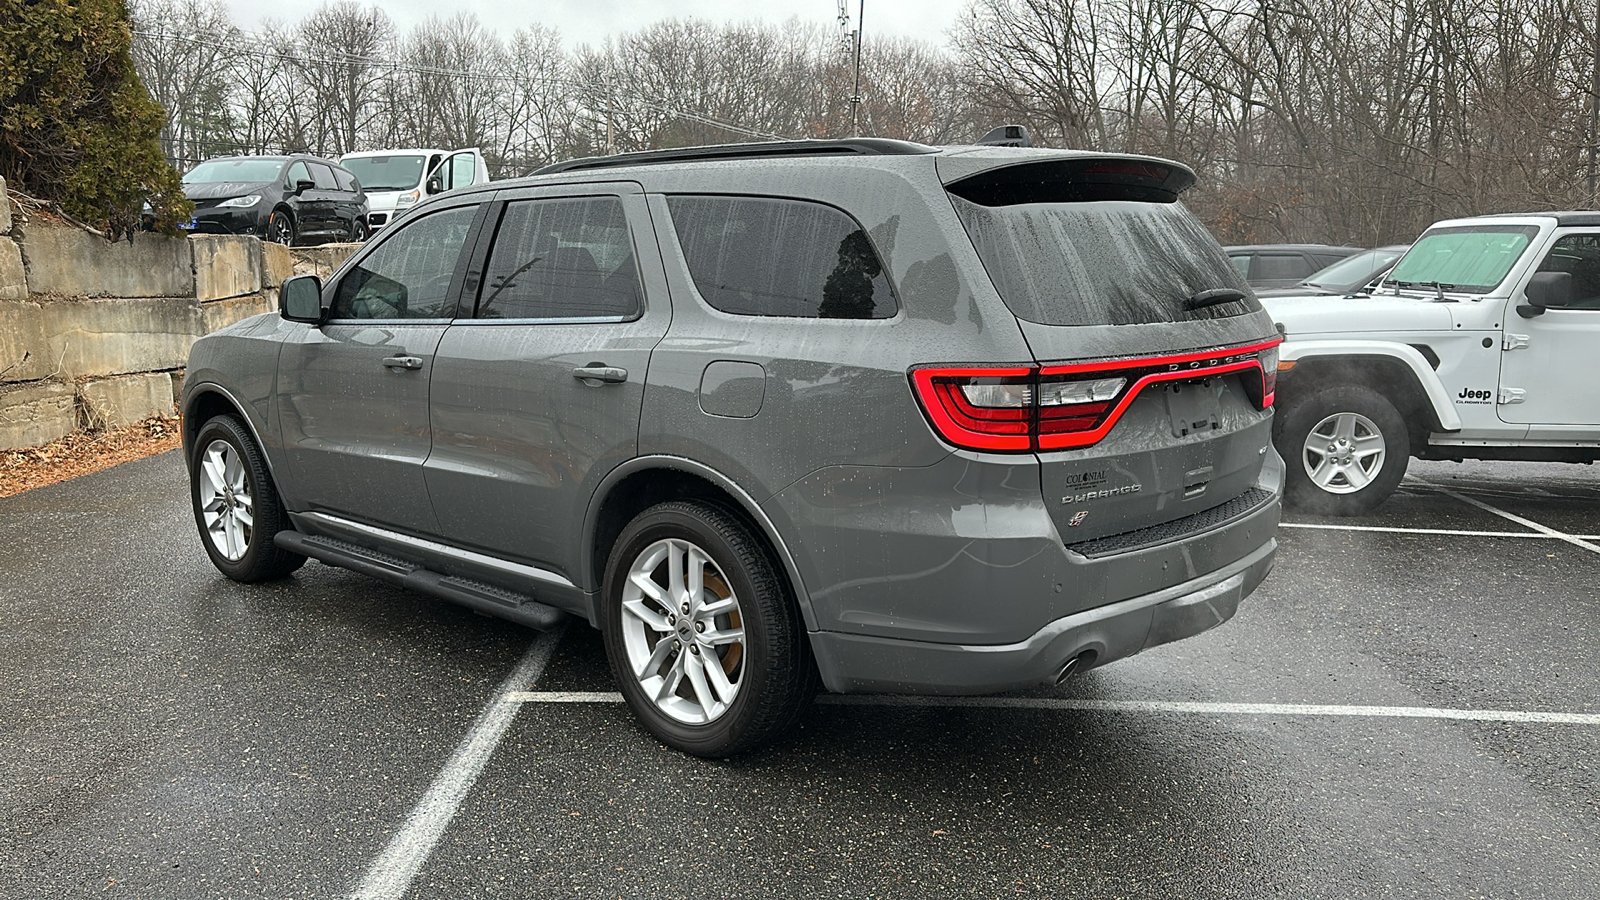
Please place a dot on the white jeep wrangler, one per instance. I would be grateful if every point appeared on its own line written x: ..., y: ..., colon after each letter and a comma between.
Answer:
x: 1483, y: 342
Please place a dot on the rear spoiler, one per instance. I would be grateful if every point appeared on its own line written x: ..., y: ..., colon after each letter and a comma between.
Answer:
x: 1023, y: 176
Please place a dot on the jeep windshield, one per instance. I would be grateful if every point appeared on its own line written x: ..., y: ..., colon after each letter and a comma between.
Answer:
x: 1466, y: 259
x: 1102, y: 259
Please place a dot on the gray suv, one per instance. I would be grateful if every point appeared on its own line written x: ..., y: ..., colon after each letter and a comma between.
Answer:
x: 869, y: 414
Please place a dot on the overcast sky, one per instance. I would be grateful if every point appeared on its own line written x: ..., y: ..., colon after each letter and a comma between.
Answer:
x: 590, y: 21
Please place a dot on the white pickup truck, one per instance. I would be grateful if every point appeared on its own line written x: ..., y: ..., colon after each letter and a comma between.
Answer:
x: 396, y: 180
x: 1483, y: 342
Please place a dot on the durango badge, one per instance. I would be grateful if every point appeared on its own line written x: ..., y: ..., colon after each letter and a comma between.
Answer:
x: 1086, y: 496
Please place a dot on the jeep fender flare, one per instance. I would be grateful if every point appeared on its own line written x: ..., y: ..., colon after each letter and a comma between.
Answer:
x: 1426, y: 379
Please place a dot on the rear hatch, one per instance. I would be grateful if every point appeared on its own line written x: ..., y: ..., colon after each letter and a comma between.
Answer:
x: 1150, y: 398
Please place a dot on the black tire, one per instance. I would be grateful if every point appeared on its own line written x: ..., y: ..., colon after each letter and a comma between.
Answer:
x: 261, y: 559
x: 358, y: 230
x: 1351, y: 486
x: 280, y: 228
x: 776, y: 675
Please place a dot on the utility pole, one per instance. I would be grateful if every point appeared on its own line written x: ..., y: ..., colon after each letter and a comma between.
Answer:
x: 1594, y: 106
x: 853, y: 37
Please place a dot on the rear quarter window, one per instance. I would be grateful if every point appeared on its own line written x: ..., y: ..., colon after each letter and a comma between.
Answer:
x: 758, y: 256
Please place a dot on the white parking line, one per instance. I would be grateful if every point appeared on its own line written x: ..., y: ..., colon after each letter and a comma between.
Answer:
x: 1396, y: 529
x: 1137, y: 706
x: 391, y: 873
x: 1512, y: 517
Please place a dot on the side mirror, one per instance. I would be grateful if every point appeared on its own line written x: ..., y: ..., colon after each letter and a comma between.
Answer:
x: 301, y: 186
x: 435, y: 184
x: 1546, y: 290
x: 300, y: 300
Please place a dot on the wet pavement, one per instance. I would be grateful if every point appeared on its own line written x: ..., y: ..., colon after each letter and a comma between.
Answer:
x: 167, y: 733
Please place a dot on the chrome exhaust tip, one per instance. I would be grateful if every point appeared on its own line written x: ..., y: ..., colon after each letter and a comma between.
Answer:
x: 1068, y: 669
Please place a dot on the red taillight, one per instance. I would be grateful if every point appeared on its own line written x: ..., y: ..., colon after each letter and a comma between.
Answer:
x: 969, y: 406
x: 1269, y: 375
x: 1021, y: 408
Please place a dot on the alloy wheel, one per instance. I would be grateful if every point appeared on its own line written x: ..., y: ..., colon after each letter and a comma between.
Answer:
x: 683, y: 631
x: 1343, y: 453
x: 226, y: 506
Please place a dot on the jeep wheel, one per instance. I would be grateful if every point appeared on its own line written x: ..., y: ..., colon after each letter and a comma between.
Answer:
x: 236, y: 506
x: 702, y: 636
x: 1346, y: 449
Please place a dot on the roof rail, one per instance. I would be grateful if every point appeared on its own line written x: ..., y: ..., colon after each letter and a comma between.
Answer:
x: 846, y: 147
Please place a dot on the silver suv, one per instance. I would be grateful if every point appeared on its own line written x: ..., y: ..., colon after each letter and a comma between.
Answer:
x: 873, y: 414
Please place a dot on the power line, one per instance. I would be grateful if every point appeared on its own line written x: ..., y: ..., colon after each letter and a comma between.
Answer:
x: 654, y: 104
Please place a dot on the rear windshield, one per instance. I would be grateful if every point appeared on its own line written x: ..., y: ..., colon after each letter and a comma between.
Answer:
x: 1103, y: 262
x: 1472, y: 259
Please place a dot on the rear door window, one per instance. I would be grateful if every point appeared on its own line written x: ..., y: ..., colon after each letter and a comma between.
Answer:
x: 323, y: 176
x: 347, y: 181
x: 562, y: 260
x: 758, y: 256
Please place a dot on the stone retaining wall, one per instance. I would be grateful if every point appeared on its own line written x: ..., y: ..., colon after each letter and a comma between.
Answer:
x: 95, y: 334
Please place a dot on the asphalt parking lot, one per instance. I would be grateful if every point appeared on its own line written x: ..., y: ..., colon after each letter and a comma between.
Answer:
x: 1407, y: 708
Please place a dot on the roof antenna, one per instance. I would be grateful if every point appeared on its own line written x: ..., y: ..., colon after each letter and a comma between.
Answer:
x: 1006, y: 136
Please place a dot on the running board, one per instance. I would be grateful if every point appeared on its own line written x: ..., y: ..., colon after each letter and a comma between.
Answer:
x: 485, y: 598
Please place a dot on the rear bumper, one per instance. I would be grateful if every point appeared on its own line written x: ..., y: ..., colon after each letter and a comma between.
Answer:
x: 856, y: 663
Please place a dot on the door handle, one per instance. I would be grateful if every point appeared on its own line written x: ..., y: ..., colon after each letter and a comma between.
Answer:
x: 402, y: 362
x: 595, y: 374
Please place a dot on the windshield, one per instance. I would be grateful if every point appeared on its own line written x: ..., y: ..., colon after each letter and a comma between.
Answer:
x: 1353, y: 271
x: 387, y: 173
x: 1106, y: 262
x: 1471, y: 259
x: 239, y: 171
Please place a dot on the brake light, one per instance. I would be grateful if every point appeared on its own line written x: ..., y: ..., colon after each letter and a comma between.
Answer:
x: 1013, y: 409
x: 1127, y: 167
x: 1269, y: 375
x: 979, y: 408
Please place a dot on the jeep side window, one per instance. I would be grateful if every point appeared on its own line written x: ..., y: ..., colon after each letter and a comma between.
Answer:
x: 408, y: 275
x: 764, y: 257
x: 562, y: 260
x: 1580, y: 255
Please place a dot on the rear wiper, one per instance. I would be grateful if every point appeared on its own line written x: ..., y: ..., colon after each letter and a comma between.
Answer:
x: 1213, y: 297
